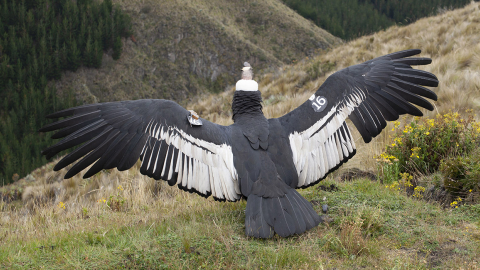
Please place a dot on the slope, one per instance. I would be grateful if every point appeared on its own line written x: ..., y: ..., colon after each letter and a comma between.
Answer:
x: 184, y: 47
x: 450, y: 39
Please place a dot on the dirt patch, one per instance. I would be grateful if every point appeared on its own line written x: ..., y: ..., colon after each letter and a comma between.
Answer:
x: 437, y: 256
x: 330, y: 188
x: 356, y: 173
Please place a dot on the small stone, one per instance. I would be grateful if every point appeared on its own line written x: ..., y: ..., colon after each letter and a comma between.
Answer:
x: 324, y: 208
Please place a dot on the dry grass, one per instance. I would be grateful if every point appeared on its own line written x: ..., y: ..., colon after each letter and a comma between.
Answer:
x: 53, y: 206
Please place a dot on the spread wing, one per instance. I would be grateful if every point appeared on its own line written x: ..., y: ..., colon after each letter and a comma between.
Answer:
x: 117, y: 134
x: 369, y: 94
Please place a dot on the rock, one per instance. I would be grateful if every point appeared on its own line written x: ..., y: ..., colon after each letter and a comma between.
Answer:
x: 324, y: 208
x: 29, y: 178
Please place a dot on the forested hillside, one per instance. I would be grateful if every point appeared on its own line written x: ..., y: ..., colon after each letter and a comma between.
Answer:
x: 349, y: 19
x: 39, y: 39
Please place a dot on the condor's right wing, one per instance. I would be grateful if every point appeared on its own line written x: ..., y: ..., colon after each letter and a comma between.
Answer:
x: 369, y: 94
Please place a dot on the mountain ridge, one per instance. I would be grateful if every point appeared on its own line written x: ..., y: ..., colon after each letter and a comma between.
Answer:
x: 183, y: 48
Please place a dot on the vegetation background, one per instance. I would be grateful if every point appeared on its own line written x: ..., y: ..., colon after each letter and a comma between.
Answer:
x: 39, y: 40
x: 350, y: 19
x: 54, y: 54
x: 123, y: 219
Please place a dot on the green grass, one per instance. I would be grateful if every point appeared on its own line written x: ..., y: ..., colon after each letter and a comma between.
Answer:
x: 371, y: 226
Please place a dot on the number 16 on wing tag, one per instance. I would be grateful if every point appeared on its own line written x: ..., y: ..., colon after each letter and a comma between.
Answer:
x: 318, y: 103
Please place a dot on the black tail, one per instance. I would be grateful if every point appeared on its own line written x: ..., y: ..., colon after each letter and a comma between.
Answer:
x: 285, y: 215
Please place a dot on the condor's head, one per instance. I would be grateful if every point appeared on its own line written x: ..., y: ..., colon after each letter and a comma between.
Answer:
x: 247, y: 83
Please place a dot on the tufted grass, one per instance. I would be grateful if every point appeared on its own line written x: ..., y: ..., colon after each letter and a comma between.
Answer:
x: 369, y: 226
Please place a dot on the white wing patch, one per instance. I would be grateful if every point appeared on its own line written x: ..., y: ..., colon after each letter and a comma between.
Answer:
x: 199, y: 165
x: 323, y: 146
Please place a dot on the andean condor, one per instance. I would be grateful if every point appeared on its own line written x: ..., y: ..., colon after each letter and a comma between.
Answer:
x: 263, y: 160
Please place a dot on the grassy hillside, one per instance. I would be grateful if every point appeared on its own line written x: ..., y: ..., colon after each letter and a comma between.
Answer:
x: 123, y: 219
x: 182, y: 47
x: 450, y: 39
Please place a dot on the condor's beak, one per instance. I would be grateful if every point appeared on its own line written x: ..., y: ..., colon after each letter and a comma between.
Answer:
x: 246, y: 68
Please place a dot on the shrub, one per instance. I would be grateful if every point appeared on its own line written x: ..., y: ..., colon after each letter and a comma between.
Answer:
x: 448, y: 143
x: 420, y: 146
x: 462, y: 174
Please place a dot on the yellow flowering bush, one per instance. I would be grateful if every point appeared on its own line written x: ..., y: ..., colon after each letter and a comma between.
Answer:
x: 114, y: 202
x: 447, y: 143
x: 403, y: 184
x: 456, y: 202
x: 418, y: 192
x: 389, y: 167
x: 421, y: 145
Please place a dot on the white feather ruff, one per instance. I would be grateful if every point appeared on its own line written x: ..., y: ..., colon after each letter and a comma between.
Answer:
x: 246, y: 85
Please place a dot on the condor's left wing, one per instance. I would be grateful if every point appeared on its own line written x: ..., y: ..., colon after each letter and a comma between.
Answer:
x: 117, y: 134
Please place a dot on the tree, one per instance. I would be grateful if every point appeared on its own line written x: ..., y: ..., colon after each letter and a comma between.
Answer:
x: 117, y: 48
x: 38, y: 40
x: 73, y: 56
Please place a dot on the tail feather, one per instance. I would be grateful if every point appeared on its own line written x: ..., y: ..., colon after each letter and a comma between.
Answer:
x: 301, y: 224
x: 256, y: 218
x: 287, y: 215
x: 311, y: 217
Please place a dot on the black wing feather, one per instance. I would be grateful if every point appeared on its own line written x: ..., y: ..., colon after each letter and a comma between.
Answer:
x: 77, y: 119
x: 113, y: 160
x: 410, y: 97
x: 416, y: 72
x: 100, y: 164
x: 403, y: 54
x: 416, y: 79
x: 387, y: 111
x: 413, y: 61
x: 69, y: 130
x: 92, y: 156
x: 81, y: 151
x: 415, y: 89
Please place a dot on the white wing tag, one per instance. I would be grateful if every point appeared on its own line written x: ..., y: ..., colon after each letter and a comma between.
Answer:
x: 318, y: 103
x: 194, y: 119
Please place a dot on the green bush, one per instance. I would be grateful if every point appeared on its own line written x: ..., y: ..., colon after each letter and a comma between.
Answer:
x: 462, y: 174
x: 448, y: 144
x: 419, y: 147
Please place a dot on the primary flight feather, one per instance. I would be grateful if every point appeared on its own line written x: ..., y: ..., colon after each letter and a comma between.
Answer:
x: 262, y: 160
